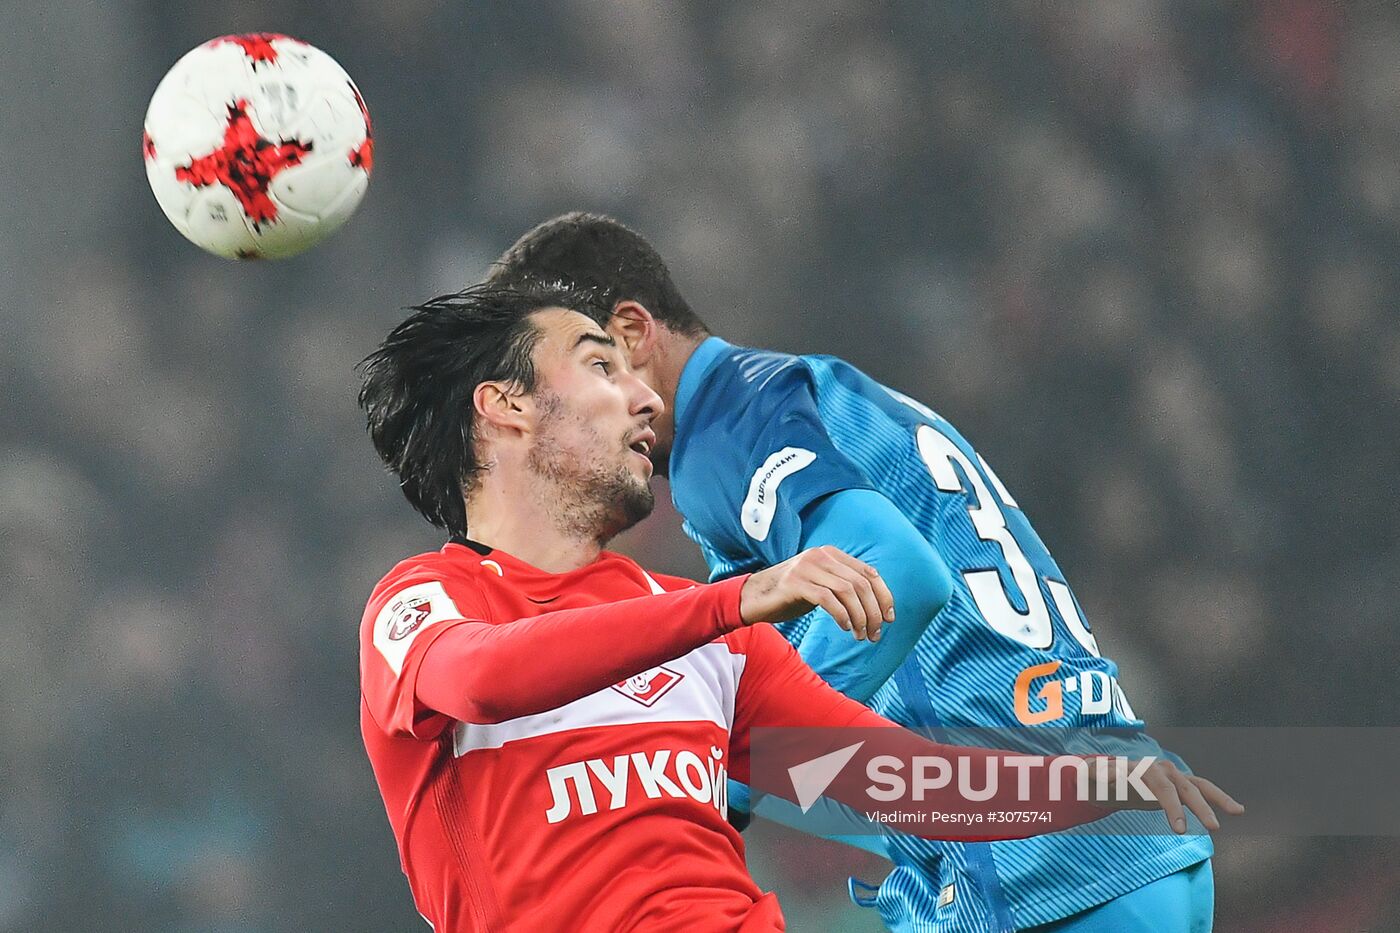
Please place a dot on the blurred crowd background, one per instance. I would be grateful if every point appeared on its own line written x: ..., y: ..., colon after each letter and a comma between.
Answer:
x: 1142, y: 252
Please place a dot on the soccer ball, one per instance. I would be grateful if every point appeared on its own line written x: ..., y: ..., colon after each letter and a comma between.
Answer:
x: 257, y: 146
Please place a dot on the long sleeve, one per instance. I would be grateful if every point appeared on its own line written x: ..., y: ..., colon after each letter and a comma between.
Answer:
x: 868, y: 526
x: 826, y: 819
x: 473, y: 671
x: 432, y: 650
x: 778, y: 690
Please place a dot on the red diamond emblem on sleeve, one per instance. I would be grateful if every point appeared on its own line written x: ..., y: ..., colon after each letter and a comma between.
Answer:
x: 649, y: 686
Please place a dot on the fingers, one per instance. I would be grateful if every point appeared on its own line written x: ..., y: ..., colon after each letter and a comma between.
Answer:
x: 883, y: 596
x: 858, y: 601
x: 884, y: 599
x: 1175, y: 792
x: 859, y: 585
x: 1215, y: 796
x: 1191, y: 797
x: 854, y: 591
x: 1164, y: 789
x: 869, y: 587
x: 1178, y: 792
x: 823, y: 598
x: 850, y: 591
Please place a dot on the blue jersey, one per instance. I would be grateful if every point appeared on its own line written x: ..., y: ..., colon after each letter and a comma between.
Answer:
x: 760, y: 436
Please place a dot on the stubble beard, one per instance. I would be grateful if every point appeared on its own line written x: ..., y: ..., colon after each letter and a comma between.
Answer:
x: 587, y: 501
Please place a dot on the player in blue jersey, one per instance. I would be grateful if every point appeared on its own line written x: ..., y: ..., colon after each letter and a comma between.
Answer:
x: 769, y: 454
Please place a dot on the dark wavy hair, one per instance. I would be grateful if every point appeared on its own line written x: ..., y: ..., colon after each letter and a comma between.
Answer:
x: 600, y: 254
x: 416, y: 387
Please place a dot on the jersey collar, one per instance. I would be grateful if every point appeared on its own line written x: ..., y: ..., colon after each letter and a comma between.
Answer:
x: 483, y: 549
x: 694, y: 372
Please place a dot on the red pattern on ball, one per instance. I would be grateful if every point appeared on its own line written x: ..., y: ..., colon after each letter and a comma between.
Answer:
x: 246, y: 163
x: 256, y: 45
x: 363, y: 155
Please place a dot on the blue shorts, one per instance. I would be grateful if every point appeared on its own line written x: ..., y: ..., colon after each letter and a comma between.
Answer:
x: 1183, y: 902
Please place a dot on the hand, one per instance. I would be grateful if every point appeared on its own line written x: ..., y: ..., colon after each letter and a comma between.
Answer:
x: 1175, y: 792
x: 849, y: 590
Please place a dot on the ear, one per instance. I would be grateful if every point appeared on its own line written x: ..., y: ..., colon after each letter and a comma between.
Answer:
x: 502, y: 407
x: 632, y: 326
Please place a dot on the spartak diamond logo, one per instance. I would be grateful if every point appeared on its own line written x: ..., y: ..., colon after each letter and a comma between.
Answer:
x: 649, y: 686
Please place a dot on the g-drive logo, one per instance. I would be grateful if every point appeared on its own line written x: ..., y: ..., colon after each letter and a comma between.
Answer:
x: 761, y: 504
x: 1098, y: 694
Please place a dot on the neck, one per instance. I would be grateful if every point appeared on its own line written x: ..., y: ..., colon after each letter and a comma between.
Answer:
x: 665, y: 377
x: 521, y: 517
x: 672, y: 357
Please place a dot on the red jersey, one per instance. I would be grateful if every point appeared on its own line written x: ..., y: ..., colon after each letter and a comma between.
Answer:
x: 554, y: 803
x: 553, y: 749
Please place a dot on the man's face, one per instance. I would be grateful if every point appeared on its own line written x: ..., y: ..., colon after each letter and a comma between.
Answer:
x: 664, y: 423
x: 593, y: 430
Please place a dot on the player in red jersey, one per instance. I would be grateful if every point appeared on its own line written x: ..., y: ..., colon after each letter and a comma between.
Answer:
x: 551, y: 726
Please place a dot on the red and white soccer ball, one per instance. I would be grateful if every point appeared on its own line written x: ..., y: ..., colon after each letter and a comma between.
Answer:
x: 257, y: 146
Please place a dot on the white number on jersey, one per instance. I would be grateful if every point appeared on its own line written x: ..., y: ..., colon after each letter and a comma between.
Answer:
x: 1031, y: 627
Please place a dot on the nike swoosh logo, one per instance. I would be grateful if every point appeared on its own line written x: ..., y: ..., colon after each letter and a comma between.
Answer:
x: 541, y: 602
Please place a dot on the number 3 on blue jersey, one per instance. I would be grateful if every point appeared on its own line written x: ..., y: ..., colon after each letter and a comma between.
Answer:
x: 1032, y: 627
